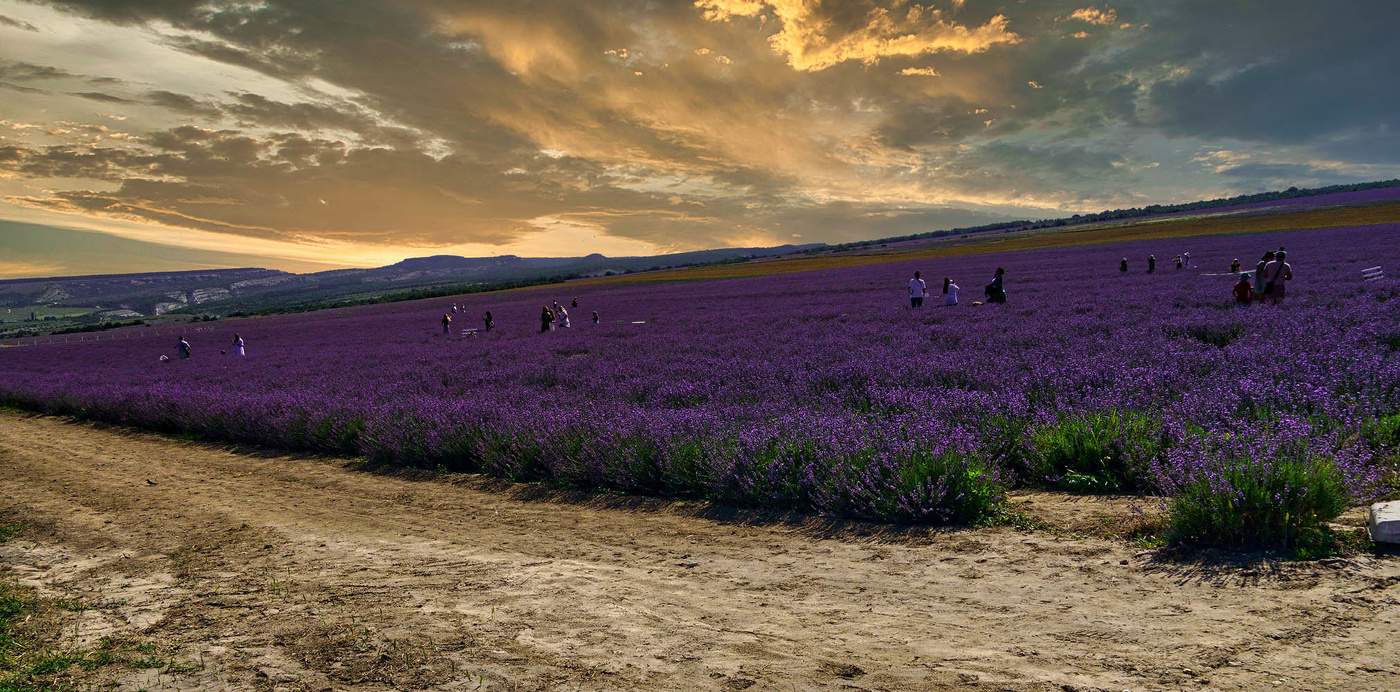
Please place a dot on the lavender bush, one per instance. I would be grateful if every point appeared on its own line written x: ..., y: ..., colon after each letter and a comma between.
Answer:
x: 820, y: 392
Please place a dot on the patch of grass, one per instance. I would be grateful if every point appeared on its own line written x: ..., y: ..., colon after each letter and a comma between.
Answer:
x: 32, y: 655
x: 10, y: 531
x: 1281, y: 503
x: 1104, y: 452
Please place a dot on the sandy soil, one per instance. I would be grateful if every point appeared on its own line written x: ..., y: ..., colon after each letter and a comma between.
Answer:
x: 282, y: 572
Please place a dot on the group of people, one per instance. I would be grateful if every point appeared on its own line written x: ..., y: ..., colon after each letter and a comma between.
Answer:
x: 556, y: 316
x: 1270, y: 279
x: 488, y: 322
x: 1182, y: 260
x: 995, y: 291
x: 553, y: 316
x: 183, y: 349
x: 1266, y: 284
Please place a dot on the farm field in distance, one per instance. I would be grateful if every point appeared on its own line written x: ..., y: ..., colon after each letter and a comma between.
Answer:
x: 806, y: 483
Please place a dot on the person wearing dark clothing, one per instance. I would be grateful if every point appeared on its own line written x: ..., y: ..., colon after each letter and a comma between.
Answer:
x: 575, y: 302
x: 1151, y: 263
x: 996, y: 291
x: 1123, y: 265
x: 1235, y: 266
x: 183, y: 348
x: 595, y: 317
x: 446, y: 323
x: 1244, y: 291
x: 546, y: 319
x: 488, y: 320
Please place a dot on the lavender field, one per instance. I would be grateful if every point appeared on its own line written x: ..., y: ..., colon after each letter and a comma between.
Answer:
x: 825, y: 391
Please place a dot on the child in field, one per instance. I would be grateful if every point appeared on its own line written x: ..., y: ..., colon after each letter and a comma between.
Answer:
x: 950, y: 292
x: 238, y: 345
x: 1235, y: 266
x: 1244, y: 292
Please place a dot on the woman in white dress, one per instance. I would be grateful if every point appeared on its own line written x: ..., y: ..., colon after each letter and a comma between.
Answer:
x: 237, y: 345
x: 950, y: 292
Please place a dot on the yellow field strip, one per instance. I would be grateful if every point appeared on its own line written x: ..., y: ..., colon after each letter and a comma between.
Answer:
x: 1148, y: 230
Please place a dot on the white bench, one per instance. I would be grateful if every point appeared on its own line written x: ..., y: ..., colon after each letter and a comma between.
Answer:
x: 1371, y: 273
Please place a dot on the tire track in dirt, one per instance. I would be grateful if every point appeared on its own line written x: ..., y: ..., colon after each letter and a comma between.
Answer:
x: 299, y: 573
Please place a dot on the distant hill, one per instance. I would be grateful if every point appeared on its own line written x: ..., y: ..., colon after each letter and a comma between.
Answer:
x: 87, y: 302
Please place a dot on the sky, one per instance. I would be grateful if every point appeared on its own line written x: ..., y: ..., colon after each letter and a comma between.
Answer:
x: 320, y: 134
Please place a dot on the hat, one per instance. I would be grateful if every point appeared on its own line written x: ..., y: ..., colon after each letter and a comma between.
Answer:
x: 1244, y: 277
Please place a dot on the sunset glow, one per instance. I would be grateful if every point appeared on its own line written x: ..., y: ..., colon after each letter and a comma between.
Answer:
x: 358, y: 133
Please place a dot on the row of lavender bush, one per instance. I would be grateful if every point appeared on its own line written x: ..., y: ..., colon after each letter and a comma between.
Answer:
x: 825, y: 391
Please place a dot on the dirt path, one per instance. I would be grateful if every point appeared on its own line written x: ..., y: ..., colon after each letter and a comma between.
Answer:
x: 294, y: 573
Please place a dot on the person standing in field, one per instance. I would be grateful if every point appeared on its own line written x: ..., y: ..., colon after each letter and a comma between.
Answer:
x: 238, y: 345
x: 1259, y: 274
x: 950, y: 292
x: 563, y: 317
x: 1186, y: 257
x: 1123, y: 265
x: 183, y: 348
x: 488, y: 321
x: 1244, y: 292
x: 996, y: 290
x: 595, y: 317
x: 446, y: 323
x: 1276, y: 273
x: 1151, y: 263
x: 546, y: 319
x: 917, y: 289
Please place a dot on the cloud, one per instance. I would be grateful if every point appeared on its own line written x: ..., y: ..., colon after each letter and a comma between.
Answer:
x: 17, y: 24
x: 679, y: 125
x: 1094, y: 15
x: 814, y: 36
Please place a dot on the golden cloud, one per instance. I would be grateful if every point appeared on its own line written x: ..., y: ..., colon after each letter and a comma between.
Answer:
x: 813, y: 41
x: 1094, y: 15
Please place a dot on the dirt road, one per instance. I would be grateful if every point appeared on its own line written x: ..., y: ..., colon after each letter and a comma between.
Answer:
x: 274, y: 571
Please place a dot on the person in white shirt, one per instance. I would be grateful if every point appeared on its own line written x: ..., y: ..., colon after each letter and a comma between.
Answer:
x: 917, y: 289
x: 1276, y: 273
x: 563, y: 317
x: 950, y: 292
x: 238, y: 345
